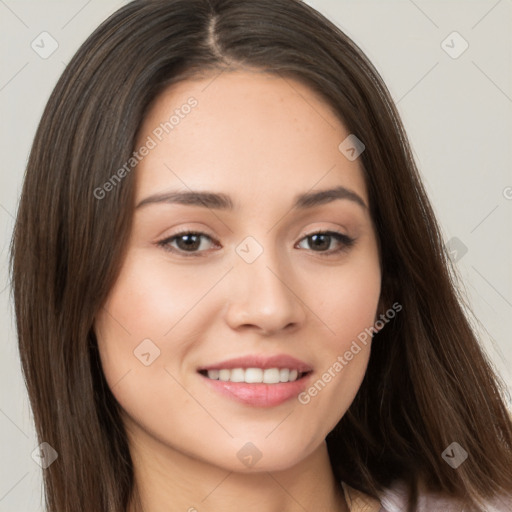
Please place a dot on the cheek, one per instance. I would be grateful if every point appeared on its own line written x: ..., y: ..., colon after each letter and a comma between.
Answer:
x: 348, y: 307
x: 141, y: 308
x: 152, y: 316
x: 150, y: 299
x: 344, y: 356
x: 347, y: 302
x: 143, y: 301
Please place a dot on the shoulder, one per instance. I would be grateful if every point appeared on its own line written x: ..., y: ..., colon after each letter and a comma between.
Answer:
x: 394, y: 499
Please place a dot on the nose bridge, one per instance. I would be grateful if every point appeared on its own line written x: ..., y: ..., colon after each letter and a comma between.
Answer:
x: 262, y: 289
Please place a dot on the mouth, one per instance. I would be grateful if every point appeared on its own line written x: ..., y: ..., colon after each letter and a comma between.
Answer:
x: 258, y: 381
x: 254, y: 375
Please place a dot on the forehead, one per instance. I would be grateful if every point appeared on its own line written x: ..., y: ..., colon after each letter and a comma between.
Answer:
x: 250, y: 134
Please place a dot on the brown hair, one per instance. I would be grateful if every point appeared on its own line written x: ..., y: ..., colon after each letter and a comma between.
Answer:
x: 428, y: 383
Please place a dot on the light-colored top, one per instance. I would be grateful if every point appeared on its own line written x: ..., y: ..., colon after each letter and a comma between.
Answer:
x: 358, y: 501
x: 395, y: 500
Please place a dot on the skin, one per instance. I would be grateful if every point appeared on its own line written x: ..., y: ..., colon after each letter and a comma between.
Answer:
x: 262, y: 140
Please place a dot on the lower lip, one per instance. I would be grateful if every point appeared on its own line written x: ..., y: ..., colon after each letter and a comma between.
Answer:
x: 259, y: 395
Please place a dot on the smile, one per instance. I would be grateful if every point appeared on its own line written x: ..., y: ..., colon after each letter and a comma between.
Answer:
x: 256, y: 380
x: 255, y: 375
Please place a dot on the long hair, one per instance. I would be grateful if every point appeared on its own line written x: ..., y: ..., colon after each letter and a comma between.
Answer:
x: 428, y: 382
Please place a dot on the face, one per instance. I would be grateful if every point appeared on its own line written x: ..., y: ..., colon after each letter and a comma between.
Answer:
x: 235, y: 313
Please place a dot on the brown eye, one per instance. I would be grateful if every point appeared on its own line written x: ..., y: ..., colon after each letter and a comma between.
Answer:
x: 185, y: 242
x: 322, y: 241
x: 190, y: 243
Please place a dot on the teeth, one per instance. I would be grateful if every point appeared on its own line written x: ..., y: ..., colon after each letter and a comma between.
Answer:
x: 252, y: 375
x: 213, y: 374
x: 237, y: 375
x: 271, y: 376
x: 255, y: 375
x: 224, y: 374
x: 284, y: 374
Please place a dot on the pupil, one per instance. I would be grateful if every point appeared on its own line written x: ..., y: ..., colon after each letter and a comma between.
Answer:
x: 317, y: 237
x: 191, y: 241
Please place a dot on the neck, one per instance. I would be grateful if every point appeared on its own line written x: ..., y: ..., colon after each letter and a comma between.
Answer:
x: 170, y: 481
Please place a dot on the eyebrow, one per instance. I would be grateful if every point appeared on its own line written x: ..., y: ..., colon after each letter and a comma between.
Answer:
x: 220, y: 201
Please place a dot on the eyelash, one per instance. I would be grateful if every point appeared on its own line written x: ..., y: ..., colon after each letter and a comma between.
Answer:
x: 345, y: 241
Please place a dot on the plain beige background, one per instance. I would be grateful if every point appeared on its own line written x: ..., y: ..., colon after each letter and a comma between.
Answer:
x: 456, y: 106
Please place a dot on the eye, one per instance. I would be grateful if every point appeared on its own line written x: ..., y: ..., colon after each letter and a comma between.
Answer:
x: 321, y: 240
x: 186, y: 241
x: 190, y: 243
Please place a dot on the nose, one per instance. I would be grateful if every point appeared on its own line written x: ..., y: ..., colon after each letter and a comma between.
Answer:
x: 264, y: 296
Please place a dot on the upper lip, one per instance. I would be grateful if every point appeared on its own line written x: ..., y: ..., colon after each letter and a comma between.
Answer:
x: 260, y: 361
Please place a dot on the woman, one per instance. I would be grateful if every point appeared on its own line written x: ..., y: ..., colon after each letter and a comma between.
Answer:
x: 230, y: 287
